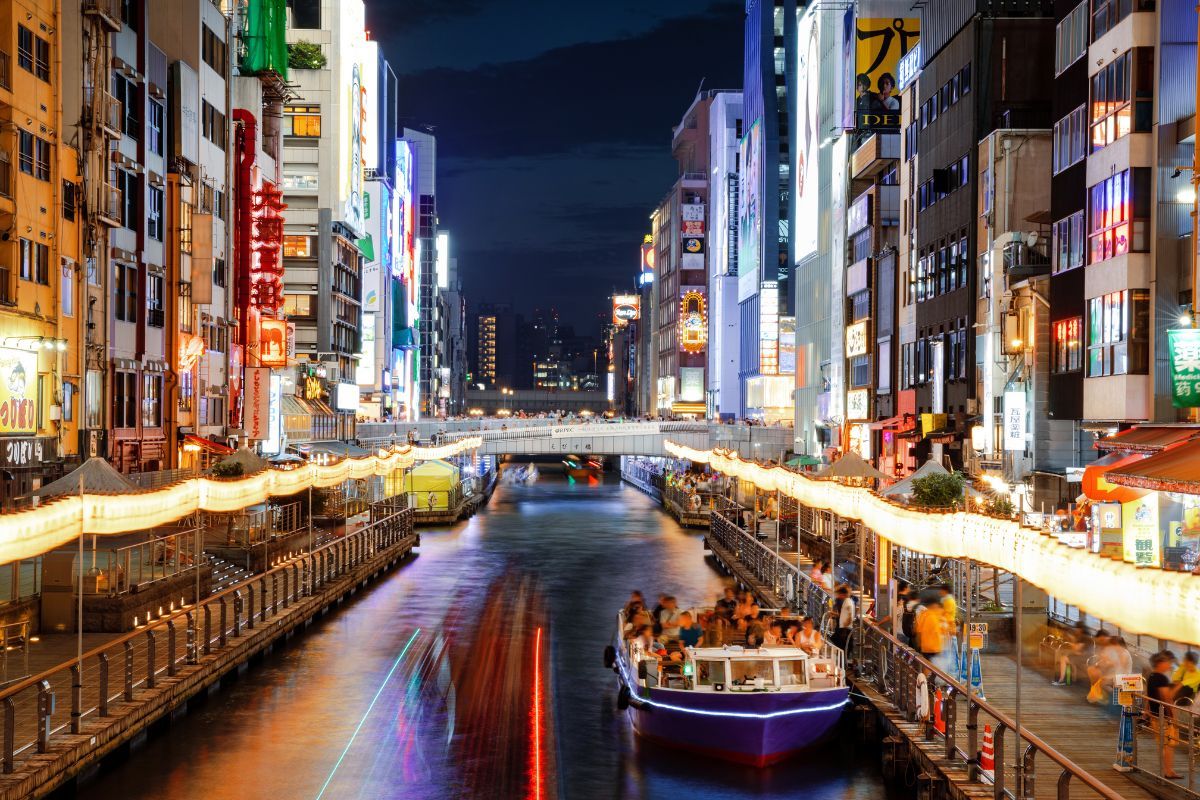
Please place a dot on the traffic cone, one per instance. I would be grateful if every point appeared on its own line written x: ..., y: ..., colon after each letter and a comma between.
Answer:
x: 958, y: 656
x: 987, y: 758
x: 939, y: 722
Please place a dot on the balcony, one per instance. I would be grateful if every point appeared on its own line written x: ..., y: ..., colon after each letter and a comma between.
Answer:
x: 105, y: 111
x: 110, y: 207
x: 5, y: 71
x: 106, y: 12
x: 876, y: 153
x: 1025, y: 261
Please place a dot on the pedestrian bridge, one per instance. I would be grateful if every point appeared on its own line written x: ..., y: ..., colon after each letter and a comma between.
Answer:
x: 621, y: 438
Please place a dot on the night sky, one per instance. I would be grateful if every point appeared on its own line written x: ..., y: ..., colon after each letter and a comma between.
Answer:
x: 553, y: 120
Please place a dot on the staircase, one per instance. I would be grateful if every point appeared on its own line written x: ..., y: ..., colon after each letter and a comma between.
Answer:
x: 226, y: 574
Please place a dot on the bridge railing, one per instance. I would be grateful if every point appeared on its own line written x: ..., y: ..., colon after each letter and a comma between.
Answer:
x: 46, y: 708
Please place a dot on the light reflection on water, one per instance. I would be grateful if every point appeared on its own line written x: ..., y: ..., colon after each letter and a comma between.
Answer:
x: 454, y: 719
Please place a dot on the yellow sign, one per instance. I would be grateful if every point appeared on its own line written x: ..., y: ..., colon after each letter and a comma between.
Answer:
x: 18, y: 391
x: 931, y: 423
x: 1141, y: 537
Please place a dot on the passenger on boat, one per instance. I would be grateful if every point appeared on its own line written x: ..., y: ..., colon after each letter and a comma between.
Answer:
x: 774, y: 635
x: 717, y: 632
x: 744, y: 606
x: 756, y: 632
x: 654, y: 614
x: 727, y: 605
x: 639, y: 620
x: 645, y: 646
x: 807, y: 637
x: 690, y: 630
x: 668, y: 618
x: 635, y: 599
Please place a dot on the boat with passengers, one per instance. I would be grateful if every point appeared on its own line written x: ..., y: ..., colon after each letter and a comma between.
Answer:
x: 754, y: 706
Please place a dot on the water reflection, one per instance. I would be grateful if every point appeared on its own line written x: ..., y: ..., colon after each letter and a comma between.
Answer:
x: 475, y: 672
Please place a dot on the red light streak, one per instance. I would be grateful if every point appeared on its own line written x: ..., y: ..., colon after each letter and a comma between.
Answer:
x: 536, y: 777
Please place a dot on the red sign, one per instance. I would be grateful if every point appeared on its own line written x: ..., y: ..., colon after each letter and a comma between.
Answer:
x: 266, y: 274
x: 693, y: 227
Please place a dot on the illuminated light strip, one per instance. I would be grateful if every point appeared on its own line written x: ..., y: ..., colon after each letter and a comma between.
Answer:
x: 363, y: 721
x: 1152, y: 602
x: 29, y: 533
x: 537, y: 715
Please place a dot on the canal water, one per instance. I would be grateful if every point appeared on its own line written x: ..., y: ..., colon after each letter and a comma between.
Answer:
x: 475, y: 671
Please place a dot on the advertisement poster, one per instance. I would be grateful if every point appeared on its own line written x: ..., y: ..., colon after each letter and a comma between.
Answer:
x: 18, y: 391
x: 258, y: 403
x: 691, y: 384
x: 626, y: 308
x: 750, y: 205
x: 273, y: 342
x: 693, y: 321
x: 880, y: 43
x: 364, y: 371
x: 1141, y: 531
x: 809, y: 129
x: 274, y: 441
x: 787, y: 345
x: 1183, y: 346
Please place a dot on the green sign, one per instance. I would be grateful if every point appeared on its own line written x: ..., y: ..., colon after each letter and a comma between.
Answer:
x: 1184, y: 347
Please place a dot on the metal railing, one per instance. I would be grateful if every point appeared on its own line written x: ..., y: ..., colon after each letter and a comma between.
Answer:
x: 691, y: 502
x: 178, y: 643
x: 136, y: 565
x: 20, y: 580
x: 1165, y: 728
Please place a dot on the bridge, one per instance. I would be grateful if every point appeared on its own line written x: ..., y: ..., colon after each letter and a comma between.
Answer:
x: 621, y: 438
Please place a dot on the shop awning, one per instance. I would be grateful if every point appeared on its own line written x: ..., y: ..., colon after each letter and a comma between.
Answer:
x: 1148, y: 438
x: 207, y: 444
x: 1173, y: 470
x: 320, y: 409
x: 294, y: 407
x: 1097, y: 485
x: 896, y: 423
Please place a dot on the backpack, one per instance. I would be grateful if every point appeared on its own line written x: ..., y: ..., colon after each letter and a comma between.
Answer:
x: 907, y: 619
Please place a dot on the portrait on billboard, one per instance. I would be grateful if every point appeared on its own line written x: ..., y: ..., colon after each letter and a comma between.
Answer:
x: 880, y: 43
x: 749, y: 201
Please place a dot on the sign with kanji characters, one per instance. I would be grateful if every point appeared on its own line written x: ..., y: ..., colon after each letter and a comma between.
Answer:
x: 1183, y: 345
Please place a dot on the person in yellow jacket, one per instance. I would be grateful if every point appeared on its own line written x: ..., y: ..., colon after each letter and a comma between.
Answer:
x: 930, y: 630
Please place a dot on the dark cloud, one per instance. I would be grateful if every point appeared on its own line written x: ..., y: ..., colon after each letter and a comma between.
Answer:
x: 414, y: 13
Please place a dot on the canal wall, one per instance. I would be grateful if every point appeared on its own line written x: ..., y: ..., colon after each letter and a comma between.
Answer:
x: 59, y: 727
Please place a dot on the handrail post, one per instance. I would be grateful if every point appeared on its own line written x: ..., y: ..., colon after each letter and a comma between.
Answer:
x: 973, y: 741
x: 10, y: 733
x: 128, y: 671
x: 286, y: 588
x: 45, y: 708
x: 76, y: 698
x: 190, y: 645
x: 275, y: 591
x: 221, y: 636
x: 250, y: 604
x: 171, y: 648
x: 151, y: 647
x: 103, y: 684
x: 207, y: 629
x: 950, y: 719
x: 1026, y: 791
x: 1064, y: 785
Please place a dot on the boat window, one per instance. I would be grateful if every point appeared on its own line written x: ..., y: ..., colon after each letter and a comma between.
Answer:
x: 791, y: 673
x: 747, y: 671
x: 710, y: 672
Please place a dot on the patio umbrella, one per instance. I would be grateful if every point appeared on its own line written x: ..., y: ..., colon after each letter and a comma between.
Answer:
x: 803, y: 461
x: 851, y: 465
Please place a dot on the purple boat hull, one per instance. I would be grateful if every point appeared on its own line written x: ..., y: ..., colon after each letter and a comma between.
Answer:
x: 757, y: 728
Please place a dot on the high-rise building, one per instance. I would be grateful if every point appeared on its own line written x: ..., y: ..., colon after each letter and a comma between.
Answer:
x: 424, y: 147
x: 724, y: 391
x: 41, y: 271
x: 493, y: 346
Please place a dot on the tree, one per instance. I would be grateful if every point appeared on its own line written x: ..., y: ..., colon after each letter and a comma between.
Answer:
x: 228, y: 470
x: 1001, y: 507
x: 306, y: 55
x: 939, y: 490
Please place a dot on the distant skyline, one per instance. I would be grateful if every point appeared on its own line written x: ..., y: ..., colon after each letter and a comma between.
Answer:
x: 554, y: 131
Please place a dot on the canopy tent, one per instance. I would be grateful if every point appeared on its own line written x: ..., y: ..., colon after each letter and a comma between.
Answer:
x: 436, y: 479
x: 96, y: 475
x: 902, y: 490
x: 803, y: 461
x: 250, y: 461
x: 1098, y: 488
x: 851, y: 465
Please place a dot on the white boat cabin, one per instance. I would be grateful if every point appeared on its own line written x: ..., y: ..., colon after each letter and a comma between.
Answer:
x: 738, y: 669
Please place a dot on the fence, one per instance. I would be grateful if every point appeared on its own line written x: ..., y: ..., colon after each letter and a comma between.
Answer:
x: 20, y: 580
x: 118, y: 671
x: 149, y: 561
x: 1165, y: 728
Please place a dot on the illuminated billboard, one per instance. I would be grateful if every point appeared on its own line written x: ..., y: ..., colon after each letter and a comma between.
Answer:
x: 443, y: 260
x: 18, y: 391
x: 357, y: 59
x: 626, y: 308
x: 407, y: 266
x: 376, y: 247
x: 272, y: 342
x: 808, y: 122
x: 880, y: 43
x: 693, y: 321
x: 646, y: 272
x: 750, y: 224
x: 768, y: 328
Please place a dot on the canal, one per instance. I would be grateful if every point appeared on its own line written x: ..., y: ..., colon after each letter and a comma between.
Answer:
x: 428, y: 685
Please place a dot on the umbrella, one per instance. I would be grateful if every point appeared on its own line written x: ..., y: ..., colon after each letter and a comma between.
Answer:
x: 97, y: 477
x: 803, y: 461
x: 851, y: 465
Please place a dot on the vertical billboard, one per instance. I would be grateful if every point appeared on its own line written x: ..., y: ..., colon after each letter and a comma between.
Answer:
x: 18, y: 391
x: 808, y: 123
x: 1183, y: 347
x: 272, y: 342
x: 646, y: 270
x: 750, y: 224
x: 693, y: 321
x: 768, y: 328
x: 691, y: 233
x: 406, y: 225
x: 880, y: 43
x: 376, y: 247
x: 353, y: 57
x: 258, y: 403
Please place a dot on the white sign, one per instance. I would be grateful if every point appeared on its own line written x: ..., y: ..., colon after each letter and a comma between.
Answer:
x: 858, y: 404
x: 692, y: 212
x: 258, y: 403
x: 1014, y: 421
x: 274, y: 441
x: 345, y: 398
x: 691, y: 384
x: 610, y: 429
x: 856, y: 339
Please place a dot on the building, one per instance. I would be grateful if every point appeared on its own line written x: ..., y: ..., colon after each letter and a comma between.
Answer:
x: 724, y: 392
x: 764, y: 207
x: 493, y: 346
x: 42, y: 274
x: 428, y: 352
x: 327, y: 131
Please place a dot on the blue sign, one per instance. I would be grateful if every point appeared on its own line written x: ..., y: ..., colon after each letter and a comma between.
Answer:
x: 908, y: 68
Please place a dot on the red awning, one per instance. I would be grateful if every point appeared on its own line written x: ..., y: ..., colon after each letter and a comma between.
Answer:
x: 1098, y: 488
x: 1173, y: 470
x: 1148, y: 438
x: 208, y: 444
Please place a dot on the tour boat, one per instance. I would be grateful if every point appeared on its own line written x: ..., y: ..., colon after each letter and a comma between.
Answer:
x: 752, y: 706
x: 582, y: 468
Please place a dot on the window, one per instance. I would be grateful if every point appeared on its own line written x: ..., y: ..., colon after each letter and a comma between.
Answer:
x: 126, y: 92
x: 1071, y: 38
x: 125, y: 292
x: 1118, y: 210
x: 964, y: 80
x: 295, y: 246
x: 1067, y: 355
x: 155, y: 127
x: 1068, y: 243
x: 298, y: 305
x: 129, y: 13
x: 154, y: 300
x: 129, y: 185
x: 860, y: 371
x: 35, y: 262
x: 213, y: 50
x: 33, y: 53
x: 305, y: 14
x: 218, y: 204
x: 33, y: 157
x: 67, y: 287
x: 155, y: 213
x: 26, y: 259
x: 212, y: 124
x: 218, y: 273
x: 1122, y: 97
x: 68, y: 201
x: 1107, y: 13
x: 187, y: 390
x: 185, y: 225
x: 1070, y: 137
x: 151, y: 400
x: 125, y: 400
x: 1118, y: 333
x: 303, y: 121
x: 68, y: 404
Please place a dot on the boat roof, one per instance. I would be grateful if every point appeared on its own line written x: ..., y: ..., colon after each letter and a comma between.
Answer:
x: 748, y: 653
